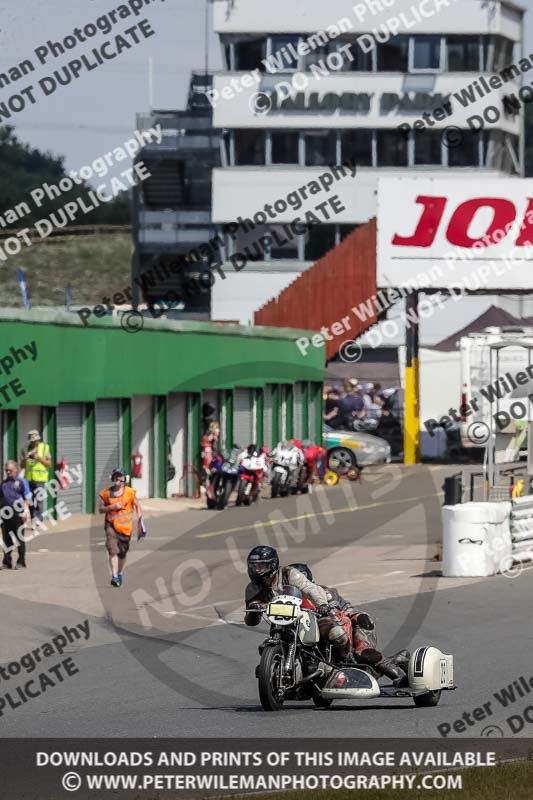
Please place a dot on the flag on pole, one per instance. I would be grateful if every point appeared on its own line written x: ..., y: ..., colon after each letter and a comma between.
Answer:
x: 23, y: 290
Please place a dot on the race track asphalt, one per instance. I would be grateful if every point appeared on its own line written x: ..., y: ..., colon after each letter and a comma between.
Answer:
x: 168, y: 654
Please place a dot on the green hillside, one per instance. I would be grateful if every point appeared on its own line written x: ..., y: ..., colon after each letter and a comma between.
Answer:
x: 94, y: 265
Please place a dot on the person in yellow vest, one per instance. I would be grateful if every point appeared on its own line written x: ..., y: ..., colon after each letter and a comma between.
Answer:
x: 118, y: 503
x: 36, y: 463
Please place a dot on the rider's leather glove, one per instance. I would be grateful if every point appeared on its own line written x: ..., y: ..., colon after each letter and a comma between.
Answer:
x: 323, y: 610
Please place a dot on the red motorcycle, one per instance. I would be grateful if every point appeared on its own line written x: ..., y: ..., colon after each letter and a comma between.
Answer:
x: 252, y: 468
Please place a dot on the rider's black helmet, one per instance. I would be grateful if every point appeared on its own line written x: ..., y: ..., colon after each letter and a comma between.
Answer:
x: 303, y: 568
x: 263, y: 563
x: 254, y: 450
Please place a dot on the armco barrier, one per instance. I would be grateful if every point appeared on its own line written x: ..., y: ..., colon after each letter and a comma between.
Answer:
x: 476, y: 539
x: 522, y: 528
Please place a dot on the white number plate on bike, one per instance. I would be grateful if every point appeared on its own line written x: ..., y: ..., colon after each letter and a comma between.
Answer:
x: 282, y: 610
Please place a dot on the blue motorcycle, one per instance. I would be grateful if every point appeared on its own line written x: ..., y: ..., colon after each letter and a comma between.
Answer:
x: 222, y: 480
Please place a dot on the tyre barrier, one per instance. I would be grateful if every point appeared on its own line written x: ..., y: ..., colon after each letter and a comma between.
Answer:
x: 521, y: 525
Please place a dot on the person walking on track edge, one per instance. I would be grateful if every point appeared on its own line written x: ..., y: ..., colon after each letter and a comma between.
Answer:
x: 118, y: 503
x: 15, y: 497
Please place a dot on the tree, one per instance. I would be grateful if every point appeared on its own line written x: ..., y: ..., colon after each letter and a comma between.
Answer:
x: 24, y: 169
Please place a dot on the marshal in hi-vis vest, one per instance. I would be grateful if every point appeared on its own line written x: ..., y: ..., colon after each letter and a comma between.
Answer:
x: 122, y: 519
x: 34, y: 471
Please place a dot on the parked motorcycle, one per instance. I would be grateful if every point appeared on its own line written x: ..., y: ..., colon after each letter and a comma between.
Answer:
x: 312, y: 455
x: 365, y: 424
x: 223, y: 476
x: 286, y: 466
x: 295, y: 665
x: 252, y: 467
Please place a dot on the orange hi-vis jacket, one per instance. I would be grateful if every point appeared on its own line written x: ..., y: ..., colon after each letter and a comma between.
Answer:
x: 122, y: 519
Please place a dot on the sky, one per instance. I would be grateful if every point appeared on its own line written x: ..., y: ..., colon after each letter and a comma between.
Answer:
x: 96, y: 112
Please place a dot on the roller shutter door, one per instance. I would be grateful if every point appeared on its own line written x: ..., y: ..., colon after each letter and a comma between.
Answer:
x: 70, y: 449
x: 312, y: 414
x: 243, y: 422
x: 298, y: 411
x: 107, y: 418
x: 267, y: 417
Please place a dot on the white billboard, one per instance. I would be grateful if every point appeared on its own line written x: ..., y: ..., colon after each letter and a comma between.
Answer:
x: 470, y: 233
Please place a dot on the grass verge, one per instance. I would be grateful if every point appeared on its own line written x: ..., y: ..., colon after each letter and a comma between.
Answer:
x: 503, y: 782
x: 95, y: 266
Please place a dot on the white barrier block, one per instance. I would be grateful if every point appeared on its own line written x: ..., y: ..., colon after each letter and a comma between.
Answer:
x: 476, y: 539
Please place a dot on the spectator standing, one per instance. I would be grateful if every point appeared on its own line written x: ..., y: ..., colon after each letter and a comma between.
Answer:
x: 333, y: 412
x: 352, y: 405
x: 15, y: 497
x: 36, y: 463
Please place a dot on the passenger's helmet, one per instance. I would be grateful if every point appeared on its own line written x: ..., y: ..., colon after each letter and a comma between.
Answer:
x: 304, y: 569
x: 263, y: 563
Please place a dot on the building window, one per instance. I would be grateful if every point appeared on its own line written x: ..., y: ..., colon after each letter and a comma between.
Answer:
x: 428, y: 148
x: 227, y: 57
x: 493, y: 149
x: 249, y: 54
x: 345, y: 230
x: 467, y: 155
x: 285, y: 147
x: 320, y: 148
x: 248, y: 240
x: 393, y: 56
x: 284, y: 53
x: 497, y: 149
x: 249, y: 147
x: 360, y: 61
x: 319, y: 54
x: 497, y: 53
x: 510, y: 164
x: 356, y: 146
x: 463, y: 54
x: 167, y: 186
x: 392, y: 149
x: 426, y: 53
x: 283, y: 244
x: 319, y: 239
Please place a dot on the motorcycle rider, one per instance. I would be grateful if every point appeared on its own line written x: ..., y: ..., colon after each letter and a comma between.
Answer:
x: 267, y: 580
x: 364, y: 636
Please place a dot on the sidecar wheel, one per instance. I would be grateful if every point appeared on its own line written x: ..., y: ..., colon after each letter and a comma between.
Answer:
x: 427, y: 699
x: 321, y: 702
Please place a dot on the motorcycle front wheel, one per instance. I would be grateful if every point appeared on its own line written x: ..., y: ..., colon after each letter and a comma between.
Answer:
x: 240, y: 492
x: 275, y: 485
x: 224, y: 496
x: 269, y: 676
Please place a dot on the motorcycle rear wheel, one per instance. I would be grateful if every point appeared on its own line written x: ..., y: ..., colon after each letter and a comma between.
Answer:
x: 211, y: 504
x: 268, y: 675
